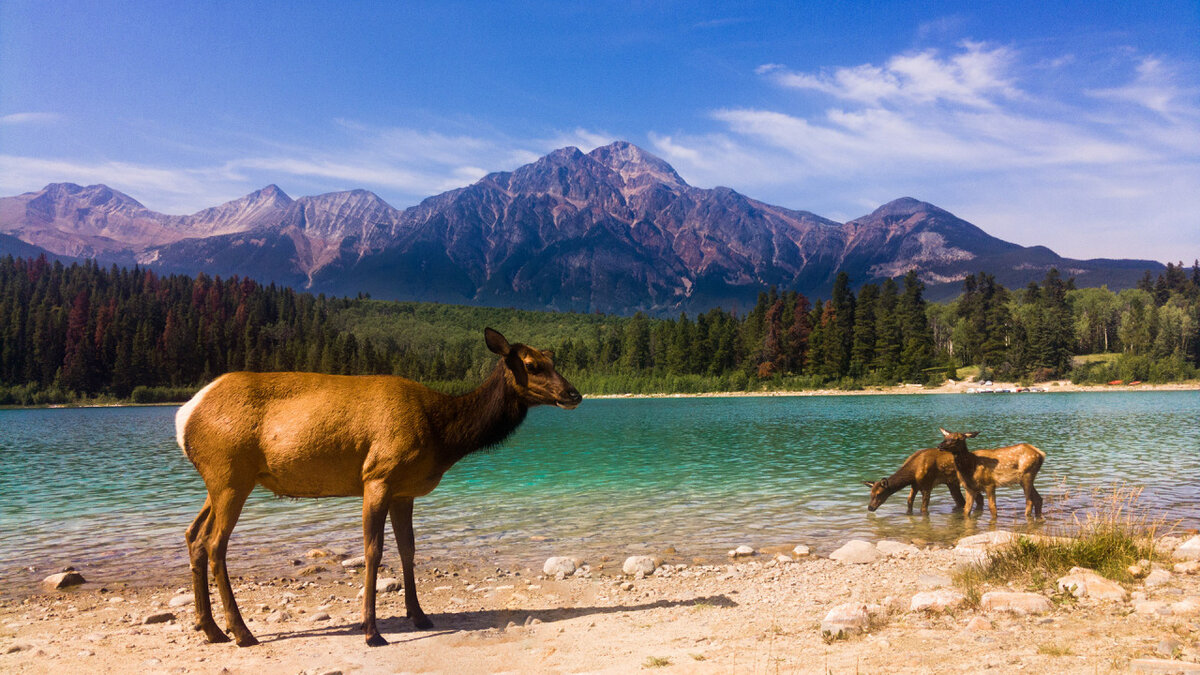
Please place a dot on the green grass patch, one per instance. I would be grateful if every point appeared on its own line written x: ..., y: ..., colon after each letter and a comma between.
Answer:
x: 656, y: 662
x: 1109, y: 537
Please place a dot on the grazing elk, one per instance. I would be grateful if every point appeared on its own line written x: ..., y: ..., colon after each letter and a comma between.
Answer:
x: 922, y: 470
x: 384, y: 438
x: 984, y: 470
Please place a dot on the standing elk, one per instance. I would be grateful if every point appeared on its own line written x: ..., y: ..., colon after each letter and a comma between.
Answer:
x: 985, y: 470
x: 922, y: 470
x: 384, y: 438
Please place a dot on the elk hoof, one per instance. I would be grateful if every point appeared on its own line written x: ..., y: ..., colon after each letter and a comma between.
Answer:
x: 376, y: 640
x: 247, y: 640
x: 422, y: 622
x: 213, y: 634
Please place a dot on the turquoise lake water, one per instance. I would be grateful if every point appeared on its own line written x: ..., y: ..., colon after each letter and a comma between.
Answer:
x: 108, y: 491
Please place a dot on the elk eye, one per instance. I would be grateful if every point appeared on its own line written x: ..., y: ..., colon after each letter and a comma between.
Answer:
x: 532, y: 368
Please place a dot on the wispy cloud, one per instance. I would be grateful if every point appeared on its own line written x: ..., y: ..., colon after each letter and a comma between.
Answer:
x: 13, y: 119
x: 975, y: 130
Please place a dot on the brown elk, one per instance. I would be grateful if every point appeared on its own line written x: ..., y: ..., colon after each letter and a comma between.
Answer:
x: 384, y: 438
x: 984, y: 470
x: 922, y: 470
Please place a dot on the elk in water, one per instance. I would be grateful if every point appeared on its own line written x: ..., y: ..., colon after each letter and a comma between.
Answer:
x: 922, y: 470
x: 985, y: 470
x: 384, y: 438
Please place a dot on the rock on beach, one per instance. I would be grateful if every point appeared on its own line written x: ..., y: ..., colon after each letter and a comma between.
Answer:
x: 1188, y: 550
x: 558, y: 565
x: 896, y: 549
x: 937, y: 601
x: 1082, y: 582
x: 62, y: 580
x: 845, y: 620
x: 1014, y: 602
x: 856, y: 551
x: 639, y: 563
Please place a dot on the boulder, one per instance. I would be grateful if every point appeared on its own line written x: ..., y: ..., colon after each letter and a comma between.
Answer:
x: 1082, y: 582
x: 856, y: 551
x: 1189, y: 567
x: 351, y: 563
x: 1188, y: 550
x: 558, y: 565
x: 896, y: 549
x: 845, y: 620
x: 940, y: 600
x: 1014, y: 602
x: 639, y: 563
x: 387, y: 585
x: 62, y: 580
x: 974, y: 549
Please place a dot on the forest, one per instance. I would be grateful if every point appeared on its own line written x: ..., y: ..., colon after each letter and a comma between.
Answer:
x: 82, y: 333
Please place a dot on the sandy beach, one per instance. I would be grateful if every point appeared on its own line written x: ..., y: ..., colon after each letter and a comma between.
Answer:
x: 761, y: 613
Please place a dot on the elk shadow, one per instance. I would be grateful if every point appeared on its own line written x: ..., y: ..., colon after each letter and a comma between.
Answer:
x: 447, y: 623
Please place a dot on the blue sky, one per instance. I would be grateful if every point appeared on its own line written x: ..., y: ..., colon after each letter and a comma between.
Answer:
x: 1073, y: 125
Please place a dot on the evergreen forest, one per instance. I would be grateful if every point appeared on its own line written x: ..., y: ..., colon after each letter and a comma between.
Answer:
x: 82, y: 333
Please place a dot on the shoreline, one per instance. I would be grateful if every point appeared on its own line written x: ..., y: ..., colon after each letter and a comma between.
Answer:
x: 764, y: 612
x: 1057, y: 386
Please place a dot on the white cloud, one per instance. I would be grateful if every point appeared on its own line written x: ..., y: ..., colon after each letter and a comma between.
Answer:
x: 29, y: 118
x: 974, y: 131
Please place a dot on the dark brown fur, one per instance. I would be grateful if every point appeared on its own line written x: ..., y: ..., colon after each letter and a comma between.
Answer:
x: 922, y: 470
x: 384, y: 438
x: 985, y: 470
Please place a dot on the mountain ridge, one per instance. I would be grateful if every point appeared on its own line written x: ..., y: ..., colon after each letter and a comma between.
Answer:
x: 615, y: 229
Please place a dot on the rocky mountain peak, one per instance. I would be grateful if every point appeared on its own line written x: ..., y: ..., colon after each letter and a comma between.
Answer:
x: 635, y: 165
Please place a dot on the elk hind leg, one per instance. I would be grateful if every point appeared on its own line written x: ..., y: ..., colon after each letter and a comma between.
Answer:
x: 226, y: 507
x: 956, y: 493
x: 196, y: 536
x: 375, y: 511
x: 1033, y: 500
x: 401, y: 511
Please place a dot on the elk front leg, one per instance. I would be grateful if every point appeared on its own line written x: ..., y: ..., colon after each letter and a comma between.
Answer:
x: 912, y: 494
x: 375, y: 503
x: 925, y: 500
x: 226, y: 507
x: 956, y: 493
x: 402, y: 510
x: 973, y: 497
x: 991, y: 498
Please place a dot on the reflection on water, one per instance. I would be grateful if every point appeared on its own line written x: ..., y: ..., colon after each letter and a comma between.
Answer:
x: 108, y: 490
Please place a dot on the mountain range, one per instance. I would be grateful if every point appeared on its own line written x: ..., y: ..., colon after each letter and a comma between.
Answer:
x: 612, y: 230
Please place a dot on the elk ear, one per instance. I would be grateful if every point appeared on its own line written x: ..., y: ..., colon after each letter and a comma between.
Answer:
x: 869, y: 484
x: 883, y: 483
x: 496, y: 342
x: 548, y: 354
x: 971, y: 434
x: 944, y: 432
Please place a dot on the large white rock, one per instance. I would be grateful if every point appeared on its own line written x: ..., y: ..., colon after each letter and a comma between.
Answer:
x: 742, y: 551
x: 1186, y: 607
x: 856, y: 551
x: 974, y: 549
x: 896, y: 549
x: 1157, y: 578
x: 558, y: 564
x: 55, y: 582
x: 1082, y: 582
x: 1014, y: 602
x: 639, y: 563
x: 801, y: 550
x: 1189, y: 567
x: 1188, y: 550
x: 939, y: 600
x: 182, y: 600
x: 845, y: 620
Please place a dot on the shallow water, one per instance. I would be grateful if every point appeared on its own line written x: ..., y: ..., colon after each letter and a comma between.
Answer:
x: 107, y: 489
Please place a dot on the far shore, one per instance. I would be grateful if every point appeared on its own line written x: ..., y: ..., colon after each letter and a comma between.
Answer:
x: 949, y: 387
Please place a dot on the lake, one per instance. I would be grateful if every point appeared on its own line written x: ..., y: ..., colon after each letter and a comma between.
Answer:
x: 108, y: 491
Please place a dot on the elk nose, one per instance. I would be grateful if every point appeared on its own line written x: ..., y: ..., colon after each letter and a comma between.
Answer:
x: 573, y: 396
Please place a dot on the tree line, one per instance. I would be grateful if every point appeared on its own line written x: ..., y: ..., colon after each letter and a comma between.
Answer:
x: 86, y: 332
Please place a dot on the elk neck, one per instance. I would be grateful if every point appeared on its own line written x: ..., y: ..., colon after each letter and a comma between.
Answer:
x: 480, y: 418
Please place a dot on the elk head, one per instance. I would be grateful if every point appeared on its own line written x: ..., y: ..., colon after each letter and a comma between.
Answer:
x: 879, y: 493
x: 953, y: 441
x: 531, y: 373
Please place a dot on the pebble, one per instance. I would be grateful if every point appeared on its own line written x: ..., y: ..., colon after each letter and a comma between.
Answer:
x: 741, y: 551
x: 350, y: 563
x: 801, y: 550
x: 317, y: 553
x: 278, y: 616
x: 558, y: 565
x: 1082, y: 582
x: 62, y: 580
x: 937, y: 601
x: 639, y: 563
x: 845, y: 620
x: 1188, y: 550
x: 856, y: 551
x: 184, y: 600
x: 1014, y: 602
x: 1167, y: 647
x: 319, y: 616
x: 159, y: 617
x: 979, y: 624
